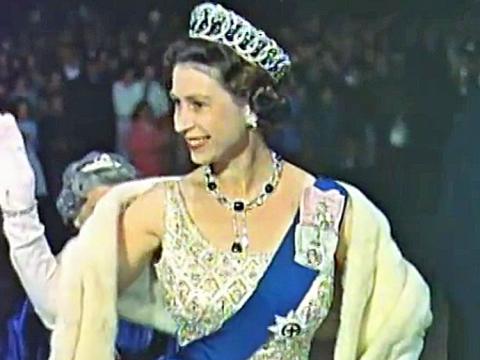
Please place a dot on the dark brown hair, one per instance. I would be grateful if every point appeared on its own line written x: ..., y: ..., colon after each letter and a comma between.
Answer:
x: 245, y: 81
x: 139, y: 107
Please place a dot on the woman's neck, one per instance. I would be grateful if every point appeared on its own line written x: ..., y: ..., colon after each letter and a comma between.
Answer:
x: 245, y: 173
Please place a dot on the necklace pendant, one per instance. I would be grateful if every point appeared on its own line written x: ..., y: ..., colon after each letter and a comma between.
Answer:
x: 244, y: 241
x: 239, y: 206
x: 240, y: 245
x: 237, y: 248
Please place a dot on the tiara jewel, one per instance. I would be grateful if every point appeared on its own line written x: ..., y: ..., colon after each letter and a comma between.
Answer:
x: 212, y: 22
x: 101, y: 162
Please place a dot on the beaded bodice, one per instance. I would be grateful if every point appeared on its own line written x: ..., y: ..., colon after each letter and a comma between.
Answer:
x: 204, y: 286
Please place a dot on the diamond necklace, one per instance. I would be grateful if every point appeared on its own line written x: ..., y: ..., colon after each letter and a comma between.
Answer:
x: 240, y: 207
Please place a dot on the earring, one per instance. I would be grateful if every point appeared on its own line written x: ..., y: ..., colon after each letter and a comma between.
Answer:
x: 251, y: 119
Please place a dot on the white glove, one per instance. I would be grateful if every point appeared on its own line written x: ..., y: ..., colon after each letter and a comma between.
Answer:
x: 17, y: 180
x: 29, y: 251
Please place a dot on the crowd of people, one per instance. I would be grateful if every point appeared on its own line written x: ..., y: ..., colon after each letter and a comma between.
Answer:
x: 82, y: 83
x: 372, y: 100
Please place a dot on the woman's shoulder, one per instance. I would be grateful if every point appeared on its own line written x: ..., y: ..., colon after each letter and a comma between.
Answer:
x: 152, y: 191
x: 145, y: 188
x: 356, y: 198
x: 299, y: 175
x: 322, y: 182
x: 143, y: 201
x: 192, y: 181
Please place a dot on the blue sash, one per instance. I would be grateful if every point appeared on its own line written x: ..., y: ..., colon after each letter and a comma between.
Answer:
x: 281, y: 289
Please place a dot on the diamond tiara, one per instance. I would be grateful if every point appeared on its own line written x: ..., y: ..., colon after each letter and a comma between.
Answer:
x: 212, y: 22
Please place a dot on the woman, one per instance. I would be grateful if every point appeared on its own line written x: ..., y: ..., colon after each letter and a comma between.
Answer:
x: 237, y: 258
x: 84, y: 182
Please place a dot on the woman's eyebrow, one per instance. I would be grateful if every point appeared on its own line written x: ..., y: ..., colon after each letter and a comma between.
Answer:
x: 190, y: 97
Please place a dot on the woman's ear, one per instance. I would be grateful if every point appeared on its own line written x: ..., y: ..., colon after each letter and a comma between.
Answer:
x: 251, y: 119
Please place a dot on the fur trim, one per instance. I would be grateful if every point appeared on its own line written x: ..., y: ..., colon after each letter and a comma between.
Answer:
x: 381, y: 289
x: 86, y: 323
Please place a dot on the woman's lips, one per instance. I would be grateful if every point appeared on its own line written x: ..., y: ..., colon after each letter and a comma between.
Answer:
x: 196, y: 143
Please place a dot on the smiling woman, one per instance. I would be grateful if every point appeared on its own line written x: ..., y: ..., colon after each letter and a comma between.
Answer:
x: 246, y: 82
x: 210, y: 81
x: 237, y: 259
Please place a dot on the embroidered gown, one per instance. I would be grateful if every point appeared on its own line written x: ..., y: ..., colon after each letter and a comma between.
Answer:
x: 209, y: 292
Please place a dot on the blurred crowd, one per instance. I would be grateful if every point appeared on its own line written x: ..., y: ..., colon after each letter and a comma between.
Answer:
x: 372, y: 98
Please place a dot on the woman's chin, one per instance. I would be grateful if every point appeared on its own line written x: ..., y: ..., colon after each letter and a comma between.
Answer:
x: 200, y: 158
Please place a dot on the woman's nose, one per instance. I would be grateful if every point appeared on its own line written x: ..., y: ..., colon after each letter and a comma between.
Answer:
x: 182, y: 120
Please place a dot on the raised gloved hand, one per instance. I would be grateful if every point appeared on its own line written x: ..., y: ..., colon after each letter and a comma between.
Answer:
x: 17, y: 180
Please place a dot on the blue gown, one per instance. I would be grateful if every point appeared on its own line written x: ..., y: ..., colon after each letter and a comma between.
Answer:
x: 27, y: 339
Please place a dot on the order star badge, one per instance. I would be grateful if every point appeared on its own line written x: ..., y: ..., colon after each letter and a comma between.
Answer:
x: 287, y: 327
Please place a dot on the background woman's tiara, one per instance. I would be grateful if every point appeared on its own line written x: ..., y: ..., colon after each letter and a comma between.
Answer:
x: 212, y: 22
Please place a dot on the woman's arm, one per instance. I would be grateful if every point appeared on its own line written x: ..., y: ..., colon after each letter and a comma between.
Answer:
x: 29, y: 251
x: 114, y: 244
x: 37, y: 268
x: 140, y: 232
x: 33, y: 261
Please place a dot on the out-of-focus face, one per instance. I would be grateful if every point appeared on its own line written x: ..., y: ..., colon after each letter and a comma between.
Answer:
x: 206, y: 114
x: 22, y: 111
x: 3, y: 60
x: 3, y: 90
x: 16, y: 64
x: 146, y: 113
x: 67, y: 55
x: 92, y: 69
x: 56, y: 81
x: 21, y: 84
x: 129, y: 76
x: 326, y: 96
x: 93, y: 197
x: 56, y: 105
x: 149, y: 72
x: 31, y: 61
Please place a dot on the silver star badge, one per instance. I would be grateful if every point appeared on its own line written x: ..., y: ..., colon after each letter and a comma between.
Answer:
x: 287, y: 327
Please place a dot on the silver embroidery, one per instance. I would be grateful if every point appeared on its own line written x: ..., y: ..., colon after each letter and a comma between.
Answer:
x: 204, y: 287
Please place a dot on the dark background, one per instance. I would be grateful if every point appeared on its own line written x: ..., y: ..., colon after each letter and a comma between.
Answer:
x: 384, y: 94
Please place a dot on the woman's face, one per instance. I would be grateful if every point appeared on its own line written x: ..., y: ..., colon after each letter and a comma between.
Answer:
x: 206, y: 114
x: 93, y: 196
